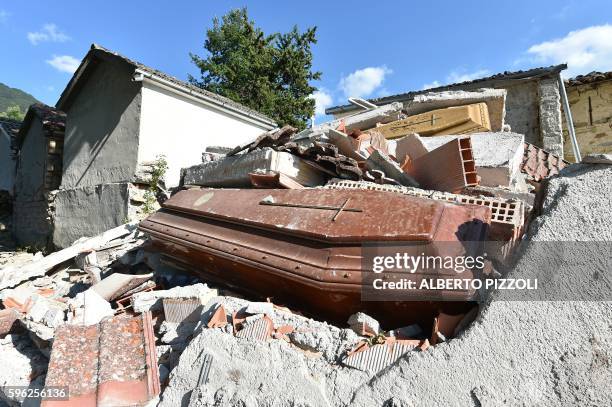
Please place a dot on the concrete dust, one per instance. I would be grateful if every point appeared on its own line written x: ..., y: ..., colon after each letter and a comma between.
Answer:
x: 523, y: 353
x: 515, y: 353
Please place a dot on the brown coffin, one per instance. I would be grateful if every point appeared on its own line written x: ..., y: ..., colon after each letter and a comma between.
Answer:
x: 304, y: 247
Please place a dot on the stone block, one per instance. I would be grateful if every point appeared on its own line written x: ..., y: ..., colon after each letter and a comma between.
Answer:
x: 89, y: 211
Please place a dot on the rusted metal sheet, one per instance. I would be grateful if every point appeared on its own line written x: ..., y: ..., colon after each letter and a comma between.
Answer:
x: 507, y: 215
x: 299, y: 254
x: 113, y: 363
x: 381, y: 216
x: 449, y: 167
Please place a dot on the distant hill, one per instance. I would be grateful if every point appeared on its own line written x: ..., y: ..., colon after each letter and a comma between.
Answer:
x: 12, y: 96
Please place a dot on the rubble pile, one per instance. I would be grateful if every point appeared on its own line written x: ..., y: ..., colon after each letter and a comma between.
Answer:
x: 246, y: 287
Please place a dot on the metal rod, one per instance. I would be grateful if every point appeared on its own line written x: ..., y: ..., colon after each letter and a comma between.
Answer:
x: 568, y: 120
x: 329, y: 208
x: 340, y: 210
x: 362, y: 103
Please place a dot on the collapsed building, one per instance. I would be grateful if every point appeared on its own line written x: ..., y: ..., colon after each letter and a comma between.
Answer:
x: 532, y: 102
x: 250, y: 285
x: 39, y: 146
x: 120, y: 116
x: 8, y: 132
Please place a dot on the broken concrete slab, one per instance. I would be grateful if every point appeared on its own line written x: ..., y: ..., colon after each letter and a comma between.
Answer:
x: 12, y: 277
x: 363, y: 324
x: 117, y: 284
x: 243, y: 372
x: 88, y: 308
x: 153, y: 300
x: 260, y: 308
x: 497, y: 156
x: 382, y: 162
x: 273, y: 180
x: 307, y: 334
x: 410, y: 146
x: 234, y: 171
x: 347, y: 146
x: 495, y: 100
x: 367, y: 119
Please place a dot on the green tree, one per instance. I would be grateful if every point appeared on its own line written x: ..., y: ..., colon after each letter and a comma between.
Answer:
x: 268, y: 73
x: 13, y: 113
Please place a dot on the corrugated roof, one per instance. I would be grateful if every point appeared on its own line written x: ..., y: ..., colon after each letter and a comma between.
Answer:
x: 97, y: 50
x: 499, y: 77
x: 589, y: 78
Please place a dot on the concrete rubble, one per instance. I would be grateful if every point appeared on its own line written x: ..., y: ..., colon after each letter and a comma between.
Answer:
x: 246, y: 287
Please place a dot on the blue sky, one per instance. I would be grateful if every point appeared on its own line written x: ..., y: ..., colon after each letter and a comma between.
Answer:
x: 365, y: 48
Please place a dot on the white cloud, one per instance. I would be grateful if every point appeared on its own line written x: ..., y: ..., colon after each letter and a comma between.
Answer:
x: 48, y: 33
x: 323, y: 100
x: 458, y: 76
x: 4, y: 15
x: 64, y: 63
x: 364, y: 82
x: 562, y: 13
x: 585, y: 50
x: 433, y: 84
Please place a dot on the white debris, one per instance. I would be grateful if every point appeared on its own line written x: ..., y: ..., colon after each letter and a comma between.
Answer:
x: 152, y: 300
x: 260, y: 308
x: 88, y: 308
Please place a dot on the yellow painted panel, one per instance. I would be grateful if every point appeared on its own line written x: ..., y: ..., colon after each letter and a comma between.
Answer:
x: 451, y: 120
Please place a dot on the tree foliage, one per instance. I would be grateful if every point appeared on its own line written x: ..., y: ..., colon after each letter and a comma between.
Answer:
x: 268, y: 73
x: 13, y: 113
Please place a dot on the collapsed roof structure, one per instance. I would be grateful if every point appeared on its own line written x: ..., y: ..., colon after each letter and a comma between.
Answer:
x: 261, y: 266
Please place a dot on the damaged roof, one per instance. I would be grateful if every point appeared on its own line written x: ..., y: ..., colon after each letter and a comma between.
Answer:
x: 97, y: 53
x: 9, y: 127
x: 473, y: 84
x: 51, y: 118
x: 589, y: 78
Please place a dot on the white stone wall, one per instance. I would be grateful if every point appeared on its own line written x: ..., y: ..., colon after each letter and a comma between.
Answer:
x: 181, y: 127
